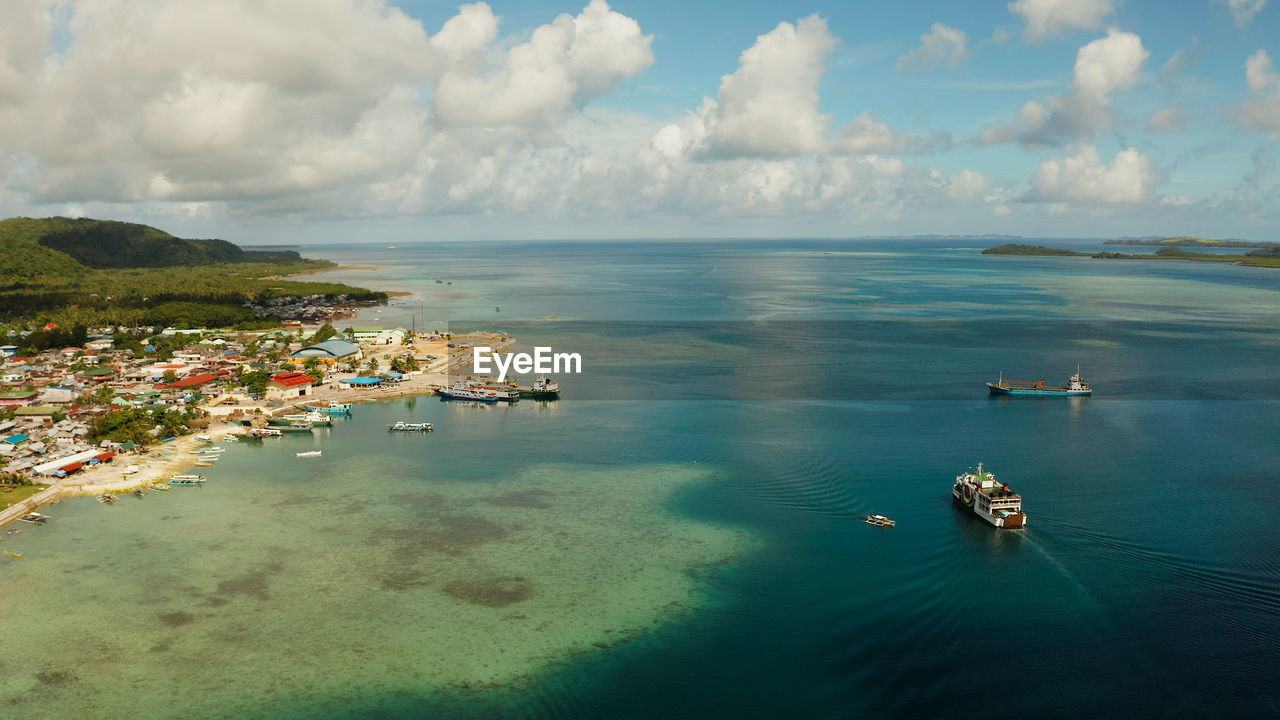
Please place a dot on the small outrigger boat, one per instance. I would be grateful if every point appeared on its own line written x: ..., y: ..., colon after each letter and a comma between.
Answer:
x: 309, y: 453
x: 137, y: 492
x: 260, y: 433
x: 202, y: 464
x: 186, y: 480
x: 106, y: 498
x: 159, y: 486
x: 330, y: 408
x: 880, y: 521
x: 402, y: 426
x: 14, y: 554
x: 34, y: 517
x: 204, y: 438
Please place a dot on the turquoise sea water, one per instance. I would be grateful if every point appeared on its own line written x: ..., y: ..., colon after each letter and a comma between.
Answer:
x: 680, y: 534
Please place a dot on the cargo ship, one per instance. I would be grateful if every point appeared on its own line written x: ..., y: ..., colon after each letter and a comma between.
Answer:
x: 989, y: 499
x: 543, y: 388
x: 1076, y: 386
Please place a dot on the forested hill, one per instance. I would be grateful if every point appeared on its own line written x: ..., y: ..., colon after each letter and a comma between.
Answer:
x: 105, y: 244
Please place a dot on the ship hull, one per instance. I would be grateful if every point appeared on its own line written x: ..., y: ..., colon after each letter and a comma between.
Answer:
x: 1041, y: 392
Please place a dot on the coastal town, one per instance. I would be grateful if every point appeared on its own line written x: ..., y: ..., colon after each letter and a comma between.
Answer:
x: 100, y: 417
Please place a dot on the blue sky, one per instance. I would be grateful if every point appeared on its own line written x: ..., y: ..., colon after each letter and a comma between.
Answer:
x: 335, y: 120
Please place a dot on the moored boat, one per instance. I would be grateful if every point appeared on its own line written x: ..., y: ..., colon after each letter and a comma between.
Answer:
x: 330, y: 408
x: 1076, y: 386
x: 308, y: 453
x: 402, y: 426
x: 989, y: 499
x: 543, y: 388
x: 35, y: 517
x: 186, y: 480
x: 463, y: 391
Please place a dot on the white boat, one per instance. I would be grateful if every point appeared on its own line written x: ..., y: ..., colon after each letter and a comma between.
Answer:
x: 204, y: 438
x: 990, y: 500
x: 309, y: 453
x: 880, y: 521
x: 402, y: 426
x: 186, y: 480
x: 131, y: 469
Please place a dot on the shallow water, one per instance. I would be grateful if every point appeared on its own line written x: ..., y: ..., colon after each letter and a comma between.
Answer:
x: 743, y: 406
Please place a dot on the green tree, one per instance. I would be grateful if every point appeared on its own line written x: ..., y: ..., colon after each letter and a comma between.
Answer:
x: 325, y: 332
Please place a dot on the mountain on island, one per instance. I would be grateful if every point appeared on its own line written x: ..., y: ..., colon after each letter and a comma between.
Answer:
x: 65, y: 246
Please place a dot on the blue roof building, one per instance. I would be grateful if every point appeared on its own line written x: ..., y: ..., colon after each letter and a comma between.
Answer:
x: 331, y: 349
x: 363, y: 382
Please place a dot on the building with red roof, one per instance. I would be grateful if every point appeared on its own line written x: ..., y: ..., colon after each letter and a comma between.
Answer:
x: 287, y: 385
x: 191, y: 381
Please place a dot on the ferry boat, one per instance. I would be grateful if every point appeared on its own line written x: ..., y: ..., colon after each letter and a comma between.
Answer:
x: 1076, y: 386
x: 330, y: 408
x: 508, y: 392
x: 402, y: 426
x: 544, y: 388
x: 463, y: 391
x: 989, y: 499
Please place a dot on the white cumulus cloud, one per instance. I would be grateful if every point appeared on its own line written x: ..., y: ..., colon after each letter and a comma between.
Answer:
x: 1083, y: 177
x: 941, y: 46
x: 768, y: 107
x: 1049, y: 18
x: 1103, y: 68
x: 1262, y: 110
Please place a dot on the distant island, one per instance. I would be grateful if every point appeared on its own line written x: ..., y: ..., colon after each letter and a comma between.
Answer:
x: 1267, y: 257
x: 79, y: 271
x: 1188, y: 241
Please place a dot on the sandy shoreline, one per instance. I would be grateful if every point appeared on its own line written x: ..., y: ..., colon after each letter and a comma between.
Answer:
x: 177, y: 456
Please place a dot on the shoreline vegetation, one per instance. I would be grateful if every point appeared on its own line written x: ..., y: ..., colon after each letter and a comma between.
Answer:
x: 1267, y: 256
x: 101, y: 272
x: 1189, y: 241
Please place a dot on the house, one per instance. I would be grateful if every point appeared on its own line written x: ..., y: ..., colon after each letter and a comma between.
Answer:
x: 289, y: 385
x: 100, y: 344
x: 366, y: 333
x: 17, y: 397
x: 8, y: 351
x: 363, y: 383
x: 16, y: 440
x: 191, y: 381
x: 329, y: 351
x: 394, y: 336
x: 53, y: 394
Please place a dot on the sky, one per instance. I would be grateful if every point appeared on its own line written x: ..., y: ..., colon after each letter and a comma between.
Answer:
x: 317, y: 121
